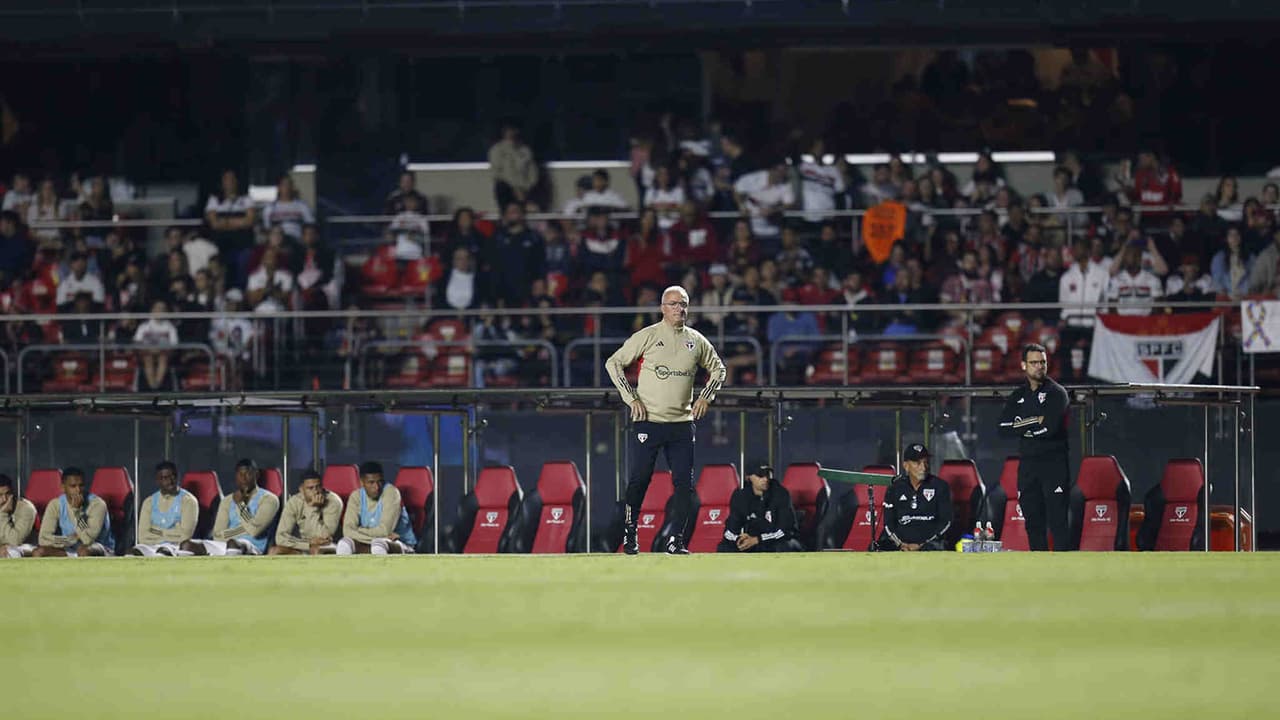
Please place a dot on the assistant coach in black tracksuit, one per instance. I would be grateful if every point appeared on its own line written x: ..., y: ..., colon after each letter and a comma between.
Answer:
x: 761, y: 516
x: 1036, y: 412
x: 917, y: 506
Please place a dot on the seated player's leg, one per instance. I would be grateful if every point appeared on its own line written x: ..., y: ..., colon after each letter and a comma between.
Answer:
x: 45, y: 551
x: 94, y: 550
x: 347, y: 546
x: 282, y: 550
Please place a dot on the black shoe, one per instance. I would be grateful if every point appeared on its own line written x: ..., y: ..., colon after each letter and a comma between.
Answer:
x: 630, y: 545
x: 675, y: 546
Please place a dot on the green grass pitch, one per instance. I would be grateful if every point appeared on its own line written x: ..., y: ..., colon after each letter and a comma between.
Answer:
x: 827, y: 635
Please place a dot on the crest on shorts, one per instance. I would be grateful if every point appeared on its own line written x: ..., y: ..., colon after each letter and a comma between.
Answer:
x: 642, y: 437
x: 928, y: 494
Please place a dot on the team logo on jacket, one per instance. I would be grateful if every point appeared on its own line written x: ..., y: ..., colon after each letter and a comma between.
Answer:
x: 1101, y: 510
x: 713, y: 515
x: 688, y: 345
x: 928, y: 494
x: 768, y: 516
x: 557, y: 513
x: 642, y: 437
x: 1041, y: 397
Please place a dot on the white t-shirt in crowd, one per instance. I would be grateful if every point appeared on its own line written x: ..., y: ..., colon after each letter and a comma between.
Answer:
x: 819, y: 186
x: 231, y: 206
x: 258, y: 281
x: 70, y: 286
x: 1175, y: 284
x: 760, y: 197
x: 13, y: 200
x: 460, y: 290
x: 290, y: 215
x: 1083, y: 288
x: 199, y: 252
x: 606, y: 198
x: 231, y: 337
x: 410, y: 230
x: 1134, y: 292
x: 156, y: 332
x: 673, y: 199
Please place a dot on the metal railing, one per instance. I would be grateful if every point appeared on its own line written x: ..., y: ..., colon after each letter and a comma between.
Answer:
x: 102, y: 349
x: 424, y: 345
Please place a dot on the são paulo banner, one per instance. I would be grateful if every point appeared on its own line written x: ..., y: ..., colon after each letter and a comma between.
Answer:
x: 1153, y: 348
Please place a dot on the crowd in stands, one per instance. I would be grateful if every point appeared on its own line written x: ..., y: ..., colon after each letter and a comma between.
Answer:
x: 735, y: 226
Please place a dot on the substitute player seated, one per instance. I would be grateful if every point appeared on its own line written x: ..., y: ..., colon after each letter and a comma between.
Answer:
x: 168, y: 517
x: 761, y: 517
x: 17, y: 517
x: 244, y: 517
x: 917, y: 506
x: 309, y: 521
x: 75, y: 524
x: 375, y: 522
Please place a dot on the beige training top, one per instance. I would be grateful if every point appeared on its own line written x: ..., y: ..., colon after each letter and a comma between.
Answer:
x: 389, y: 499
x: 250, y: 525
x: 670, y: 360
x: 15, y: 527
x: 300, y: 522
x: 85, y: 535
x: 177, y: 534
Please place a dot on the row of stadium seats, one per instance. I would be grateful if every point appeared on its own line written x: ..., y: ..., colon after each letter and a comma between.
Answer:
x: 496, y: 516
x: 79, y: 373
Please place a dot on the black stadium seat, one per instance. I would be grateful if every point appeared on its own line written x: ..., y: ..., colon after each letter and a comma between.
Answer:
x: 491, y: 519
x: 1175, y: 509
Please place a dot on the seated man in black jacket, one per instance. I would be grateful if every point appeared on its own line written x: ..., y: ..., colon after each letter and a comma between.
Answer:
x: 917, y: 506
x: 761, y: 518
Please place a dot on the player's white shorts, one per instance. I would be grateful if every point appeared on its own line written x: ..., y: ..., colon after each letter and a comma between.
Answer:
x: 233, y: 546
x: 166, y: 549
x: 380, y: 546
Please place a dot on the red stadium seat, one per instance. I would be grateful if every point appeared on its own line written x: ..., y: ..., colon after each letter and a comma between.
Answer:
x: 341, y: 479
x: 561, y: 522
x: 199, y: 375
x: 416, y: 485
x: 491, y: 512
x: 448, y: 331
x: 811, y: 496
x: 70, y: 374
x: 418, y: 276
x: 450, y: 369
x: 272, y: 482
x: 1099, y: 515
x: 113, y: 485
x: 968, y: 496
x: 1005, y: 510
x: 934, y: 363
x: 43, y: 487
x: 715, y: 486
x: 1222, y: 532
x: 653, y: 511
x: 861, y: 534
x: 830, y: 368
x: 988, y: 364
x: 380, y: 276
x: 1174, y: 510
x: 413, y: 372
x: 121, y: 372
x: 208, y: 492
x: 884, y: 363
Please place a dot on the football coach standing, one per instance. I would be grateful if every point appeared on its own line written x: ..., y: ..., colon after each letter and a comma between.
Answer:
x: 1036, y: 413
x: 663, y: 409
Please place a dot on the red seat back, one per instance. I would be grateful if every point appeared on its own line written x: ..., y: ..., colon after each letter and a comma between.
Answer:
x: 44, y: 486
x: 964, y: 481
x: 113, y: 485
x: 1098, y: 492
x: 341, y: 479
x: 806, y: 488
x: 494, y: 487
x: 1182, y: 486
x: 204, y: 485
x: 1013, y: 533
x: 561, y: 489
x: 448, y: 331
x: 380, y: 273
x: 272, y: 482
x: 419, y: 274
x: 715, y: 486
x: 933, y: 362
x: 653, y: 510
x: 860, y: 532
x: 885, y: 362
x: 451, y: 368
x: 415, y: 485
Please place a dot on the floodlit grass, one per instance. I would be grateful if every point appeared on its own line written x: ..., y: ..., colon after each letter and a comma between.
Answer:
x: 829, y: 635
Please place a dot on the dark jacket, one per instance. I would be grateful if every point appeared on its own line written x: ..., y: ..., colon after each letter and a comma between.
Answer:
x: 770, y: 517
x: 920, y: 516
x: 1047, y: 438
x: 515, y: 261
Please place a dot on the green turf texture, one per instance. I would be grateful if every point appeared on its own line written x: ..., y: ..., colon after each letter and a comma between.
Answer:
x: 826, y: 635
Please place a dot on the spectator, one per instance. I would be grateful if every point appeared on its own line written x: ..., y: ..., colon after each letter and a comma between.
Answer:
x: 1152, y: 259
x: 987, y: 233
x: 1232, y: 267
x: 820, y: 184
x: 1015, y: 226
x: 156, y: 333
x: 270, y: 286
x: 168, y: 268
x: 645, y: 259
x: 1181, y: 243
x: 407, y: 185
x: 575, y: 208
x: 647, y: 297
x: 693, y: 172
x: 987, y: 178
x: 461, y: 288
x: 80, y: 280
x: 1044, y: 285
x: 794, y: 262
x: 990, y: 269
x: 1262, y: 278
x: 832, y: 252
x: 132, y: 292
x: 763, y: 196
x: 904, y: 322
x: 493, y: 362
x: 1189, y: 285
x: 754, y: 288
x: 82, y: 331
x: 601, y: 195
x: 1029, y: 258
x: 517, y: 256
x: 899, y: 174
x: 1134, y: 288
x: 231, y: 217
x: 514, y: 172
x: 1227, y: 200
x: 881, y: 187
x: 723, y: 200
x: 1064, y: 196
x: 288, y: 212
x: 464, y: 233
x: 1084, y: 75
x: 410, y: 231
x: 1206, y: 225
x: 603, y: 249
x: 313, y: 268
x: 735, y: 157
x: 666, y: 198
x: 719, y: 294
x: 818, y: 290
x: 894, y: 265
x: 232, y: 337
x: 15, y: 250
x: 98, y: 209
x: 855, y: 293
x: 742, y: 253
x: 46, y: 207
x: 969, y: 286
x: 199, y: 251
x: 204, y: 294
x: 1259, y: 226
x: 694, y: 241
x: 770, y: 282
x: 286, y: 250
x: 1155, y: 183
x: 19, y: 197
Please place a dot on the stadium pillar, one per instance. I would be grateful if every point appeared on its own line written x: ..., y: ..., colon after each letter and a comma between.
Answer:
x: 897, y: 440
x: 137, y: 453
x: 742, y: 446
x: 1208, y: 482
x: 1253, y: 492
x: 284, y: 457
x: 1236, y: 434
x: 618, y: 449
x: 435, y: 476
x: 587, y: 466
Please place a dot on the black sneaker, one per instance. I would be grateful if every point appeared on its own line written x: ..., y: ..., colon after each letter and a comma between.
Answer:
x: 630, y: 545
x: 675, y: 546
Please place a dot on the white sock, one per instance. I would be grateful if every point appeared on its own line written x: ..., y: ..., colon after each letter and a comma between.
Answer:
x: 346, y: 547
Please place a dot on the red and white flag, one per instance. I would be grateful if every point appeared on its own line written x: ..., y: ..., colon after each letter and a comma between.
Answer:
x: 1154, y: 348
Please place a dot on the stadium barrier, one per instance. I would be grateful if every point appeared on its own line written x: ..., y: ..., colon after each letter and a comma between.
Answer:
x: 457, y: 432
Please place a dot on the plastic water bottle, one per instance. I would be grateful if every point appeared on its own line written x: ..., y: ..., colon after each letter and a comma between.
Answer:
x: 979, y: 544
